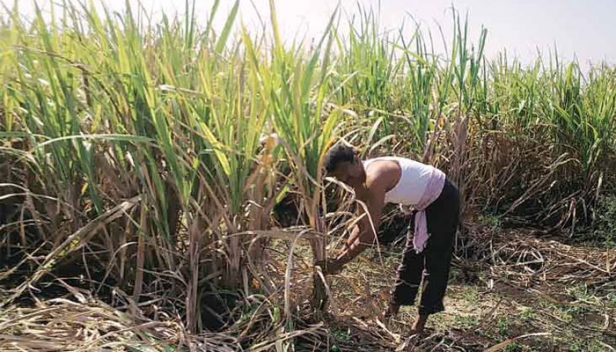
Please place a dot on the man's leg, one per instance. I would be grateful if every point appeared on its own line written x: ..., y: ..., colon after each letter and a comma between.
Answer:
x: 409, y: 276
x: 443, y: 217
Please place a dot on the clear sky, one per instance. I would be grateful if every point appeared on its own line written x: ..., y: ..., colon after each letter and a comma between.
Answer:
x: 584, y: 28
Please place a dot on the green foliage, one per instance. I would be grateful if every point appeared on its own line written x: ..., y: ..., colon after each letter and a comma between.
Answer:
x: 604, y: 225
x: 502, y: 326
x: 513, y: 347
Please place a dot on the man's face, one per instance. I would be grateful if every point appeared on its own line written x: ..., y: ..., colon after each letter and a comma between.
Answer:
x: 351, y: 173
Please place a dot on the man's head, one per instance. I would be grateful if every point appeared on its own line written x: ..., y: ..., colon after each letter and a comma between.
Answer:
x: 342, y: 163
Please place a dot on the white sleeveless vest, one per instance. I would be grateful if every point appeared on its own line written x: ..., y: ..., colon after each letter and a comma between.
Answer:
x: 413, y: 181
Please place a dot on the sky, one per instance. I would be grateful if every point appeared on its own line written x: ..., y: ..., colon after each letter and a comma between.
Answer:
x: 581, y: 29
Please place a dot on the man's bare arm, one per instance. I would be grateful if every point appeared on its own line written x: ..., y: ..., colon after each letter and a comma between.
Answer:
x: 364, y: 233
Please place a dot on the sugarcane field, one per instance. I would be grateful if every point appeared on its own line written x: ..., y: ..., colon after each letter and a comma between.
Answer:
x: 344, y: 176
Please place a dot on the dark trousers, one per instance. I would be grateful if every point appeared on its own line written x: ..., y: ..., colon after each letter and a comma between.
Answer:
x: 434, y: 261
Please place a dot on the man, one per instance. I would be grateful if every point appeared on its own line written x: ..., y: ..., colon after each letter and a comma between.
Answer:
x: 436, y: 202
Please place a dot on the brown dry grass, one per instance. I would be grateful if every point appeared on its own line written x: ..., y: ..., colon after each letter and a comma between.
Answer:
x: 92, y: 325
x: 526, y: 293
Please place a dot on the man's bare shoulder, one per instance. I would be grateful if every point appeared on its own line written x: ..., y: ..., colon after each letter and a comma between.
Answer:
x: 382, y: 175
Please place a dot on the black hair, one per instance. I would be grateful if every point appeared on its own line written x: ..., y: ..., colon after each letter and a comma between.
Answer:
x: 338, y: 154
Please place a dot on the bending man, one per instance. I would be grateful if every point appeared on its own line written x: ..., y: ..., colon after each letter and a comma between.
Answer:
x: 428, y: 251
